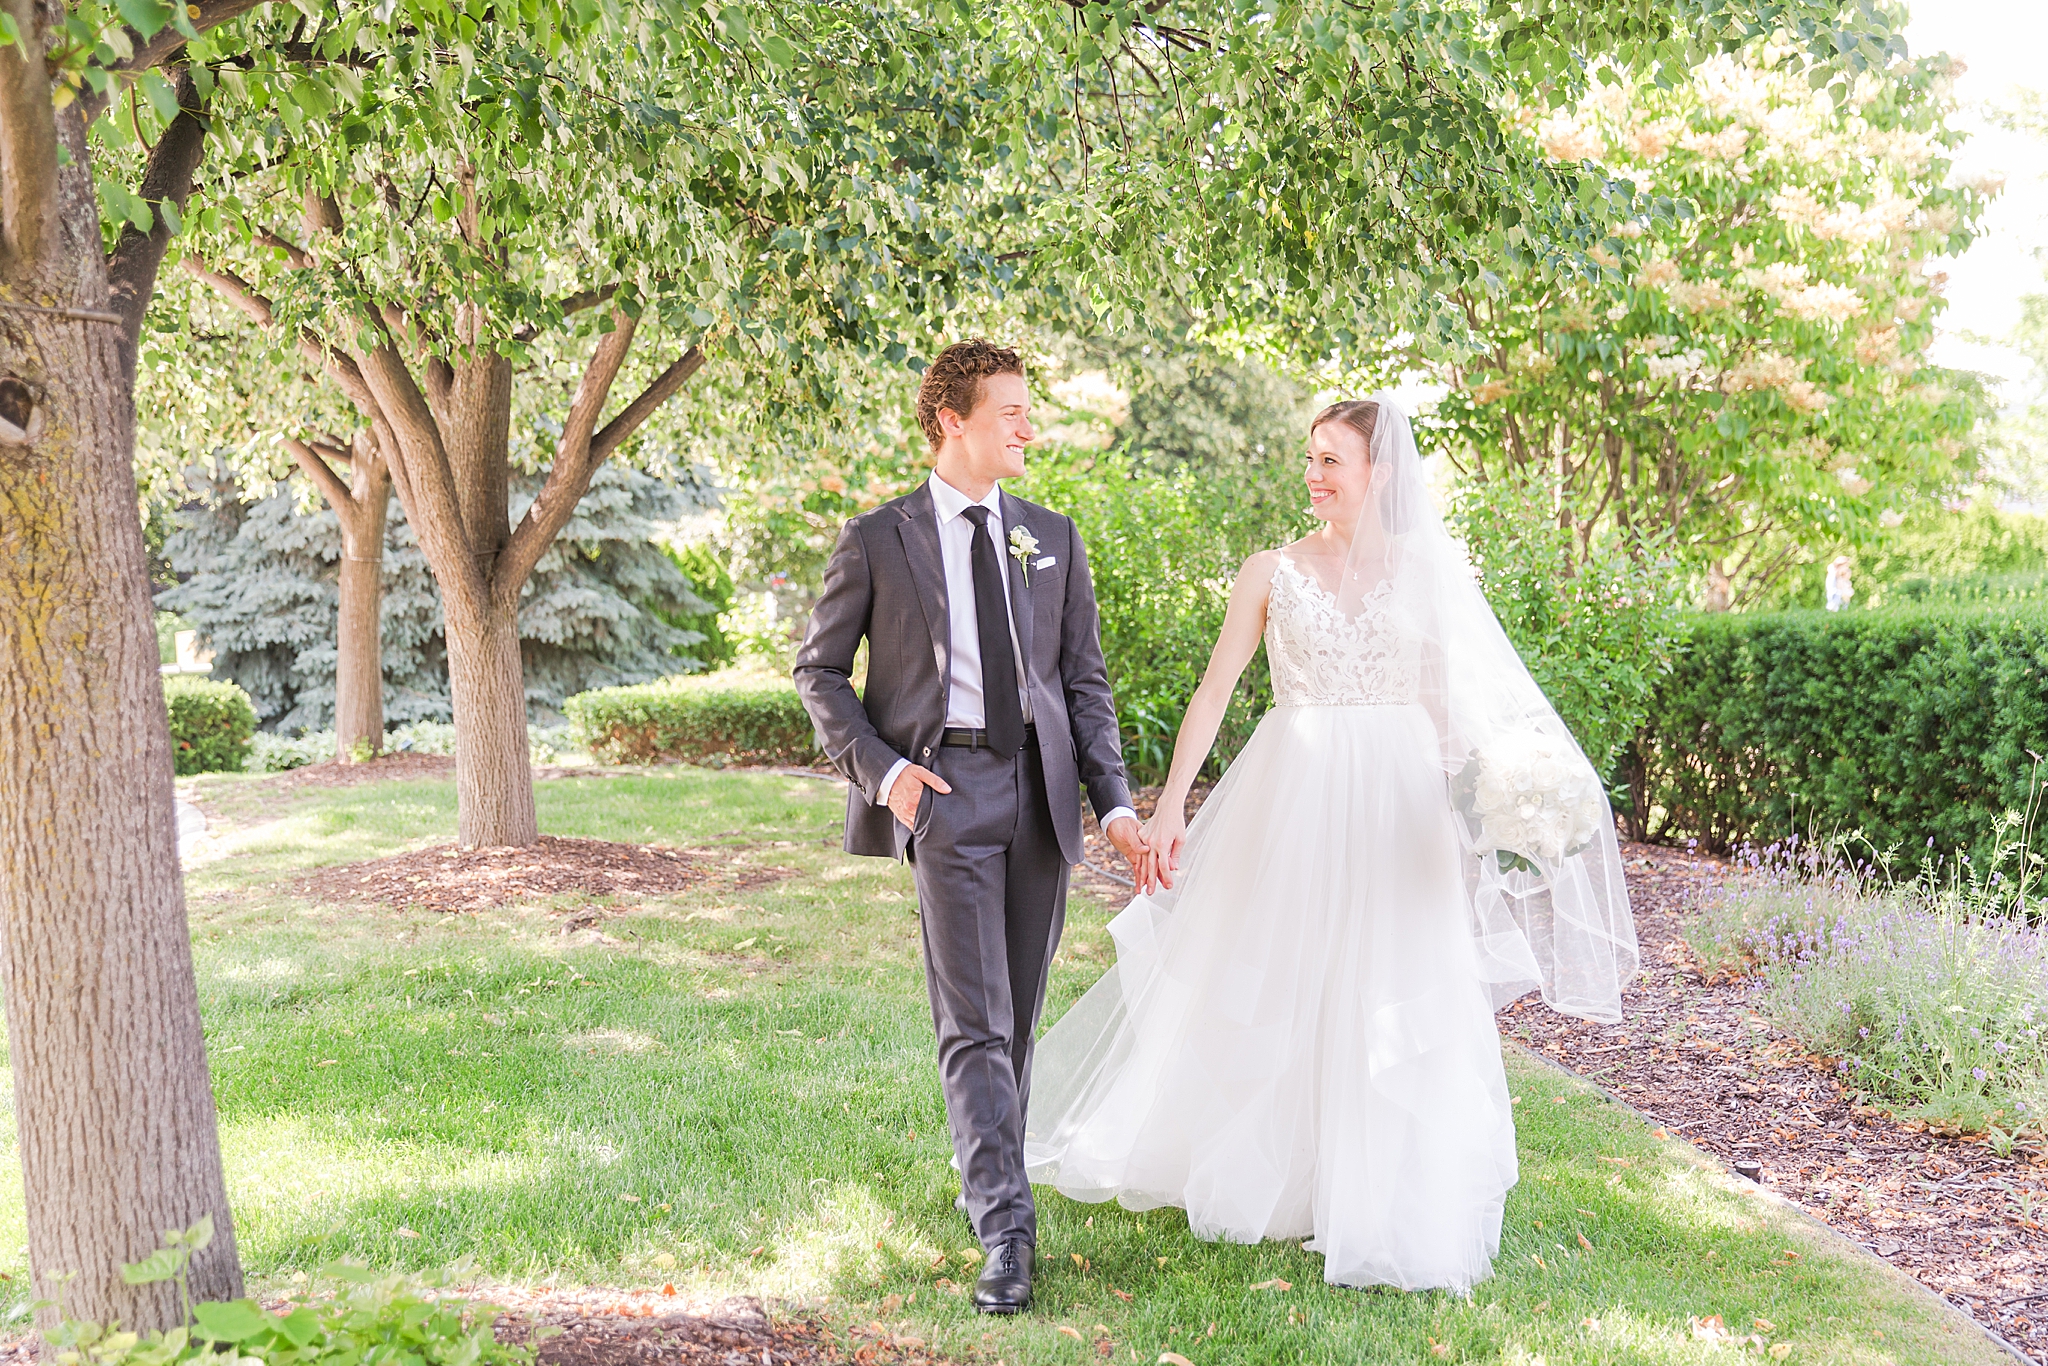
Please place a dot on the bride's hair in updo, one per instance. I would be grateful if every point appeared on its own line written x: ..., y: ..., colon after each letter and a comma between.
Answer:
x: 1359, y: 414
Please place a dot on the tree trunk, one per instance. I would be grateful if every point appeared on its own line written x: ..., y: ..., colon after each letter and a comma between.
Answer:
x: 486, y: 683
x: 359, y: 631
x: 111, y: 1094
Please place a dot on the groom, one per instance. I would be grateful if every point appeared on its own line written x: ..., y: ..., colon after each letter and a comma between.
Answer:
x: 986, y: 710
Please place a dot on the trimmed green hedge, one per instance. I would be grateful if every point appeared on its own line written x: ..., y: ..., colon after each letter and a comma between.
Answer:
x: 212, y: 724
x: 1908, y: 724
x: 696, y: 718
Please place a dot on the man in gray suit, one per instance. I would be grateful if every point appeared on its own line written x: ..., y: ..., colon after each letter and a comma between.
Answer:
x: 986, y: 711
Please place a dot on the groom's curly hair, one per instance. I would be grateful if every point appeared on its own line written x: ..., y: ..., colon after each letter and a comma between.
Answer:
x: 954, y: 381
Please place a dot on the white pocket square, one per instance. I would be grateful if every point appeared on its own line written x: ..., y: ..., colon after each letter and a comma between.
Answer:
x: 1048, y: 562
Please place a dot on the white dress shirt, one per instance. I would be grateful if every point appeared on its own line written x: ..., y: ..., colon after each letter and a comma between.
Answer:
x: 965, y: 706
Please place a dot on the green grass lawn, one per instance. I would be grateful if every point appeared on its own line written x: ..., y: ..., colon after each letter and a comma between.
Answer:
x: 739, y: 1095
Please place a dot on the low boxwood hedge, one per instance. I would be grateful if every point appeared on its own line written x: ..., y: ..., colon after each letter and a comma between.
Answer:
x: 703, y: 718
x: 212, y: 724
x: 1909, y: 724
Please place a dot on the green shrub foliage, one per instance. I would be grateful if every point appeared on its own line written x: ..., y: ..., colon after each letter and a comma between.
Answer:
x: 1163, y: 549
x: 1913, y: 726
x: 259, y: 582
x: 1596, y: 624
x: 212, y: 722
x: 711, y: 718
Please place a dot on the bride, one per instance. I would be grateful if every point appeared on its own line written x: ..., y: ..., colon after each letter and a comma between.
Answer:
x: 1297, y: 1040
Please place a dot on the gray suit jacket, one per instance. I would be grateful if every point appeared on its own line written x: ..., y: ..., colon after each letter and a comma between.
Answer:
x: 887, y: 581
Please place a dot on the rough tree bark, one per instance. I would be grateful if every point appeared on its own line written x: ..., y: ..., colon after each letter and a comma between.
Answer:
x: 363, y: 507
x: 444, y: 426
x: 111, y: 1094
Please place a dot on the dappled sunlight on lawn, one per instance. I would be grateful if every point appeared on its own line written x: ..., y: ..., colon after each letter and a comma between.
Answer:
x: 732, y: 1090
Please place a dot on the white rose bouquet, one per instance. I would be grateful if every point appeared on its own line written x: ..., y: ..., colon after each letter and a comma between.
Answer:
x: 1530, y: 800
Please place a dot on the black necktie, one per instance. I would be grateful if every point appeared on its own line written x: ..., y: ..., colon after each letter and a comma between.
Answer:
x: 1005, y: 713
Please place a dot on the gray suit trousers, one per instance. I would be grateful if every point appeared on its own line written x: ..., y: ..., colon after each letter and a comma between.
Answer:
x: 992, y: 896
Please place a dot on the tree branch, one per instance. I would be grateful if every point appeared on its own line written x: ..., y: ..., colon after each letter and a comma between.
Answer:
x: 298, y: 257
x: 28, y: 146
x: 578, y: 453
x: 238, y: 291
x: 137, y: 256
x: 589, y: 298
x: 149, y: 52
x: 419, y: 466
x: 323, y: 476
x: 634, y: 414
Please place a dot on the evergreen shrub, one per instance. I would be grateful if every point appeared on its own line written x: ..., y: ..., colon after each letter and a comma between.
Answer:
x: 211, y: 724
x: 258, y: 580
x: 710, y: 718
x: 1915, y: 726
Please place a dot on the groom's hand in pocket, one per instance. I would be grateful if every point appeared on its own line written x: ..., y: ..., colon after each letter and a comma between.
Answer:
x: 908, y: 790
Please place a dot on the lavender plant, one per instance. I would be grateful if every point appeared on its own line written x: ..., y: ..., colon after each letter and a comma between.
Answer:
x: 1932, y: 994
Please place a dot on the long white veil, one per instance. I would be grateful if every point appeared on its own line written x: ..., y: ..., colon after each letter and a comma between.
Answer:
x: 1550, y: 908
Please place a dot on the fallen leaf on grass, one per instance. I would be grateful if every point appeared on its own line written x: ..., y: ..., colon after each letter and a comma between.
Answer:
x: 745, y: 944
x: 1708, y: 1329
x: 629, y: 1198
x: 1275, y: 1284
x: 1582, y: 1241
x: 1439, y: 1349
x: 1077, y: 1259
x: 328, y: 1062
x: 1789, y: 1255
x: 891, y: 1303
x: 1764, y: 1325
x: 404, y: 1232
x: 971, y: 1255
x: 1073, y: 1333
x: 1173, y: 1359
x: 1120, y: 1294
x: 1780, y: 1350
x: 1541, y: 1306
x: 1538, y: 1260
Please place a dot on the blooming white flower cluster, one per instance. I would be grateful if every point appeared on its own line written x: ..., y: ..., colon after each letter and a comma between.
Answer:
x: 1565, y: 139
x: 1534, y: 795
x: 1684, y: 365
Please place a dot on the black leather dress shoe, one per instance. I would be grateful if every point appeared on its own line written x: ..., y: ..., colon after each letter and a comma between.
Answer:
x: 1005, y: 1284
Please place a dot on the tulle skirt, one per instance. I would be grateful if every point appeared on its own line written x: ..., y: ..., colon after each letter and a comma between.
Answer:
x: 1296, y: 1042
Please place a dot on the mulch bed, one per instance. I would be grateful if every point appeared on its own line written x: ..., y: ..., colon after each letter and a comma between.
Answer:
x: 613, y: 1328
x: 599, y: 1327
x: 399, y: 766
x: 1695, y: 1057
x: 335, y: 773
x: 446, y: 879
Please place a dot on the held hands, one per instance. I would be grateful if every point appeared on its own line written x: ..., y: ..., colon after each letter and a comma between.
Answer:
x: 1165, y: 834
x: 1129, y: 840
x: 908, y: 790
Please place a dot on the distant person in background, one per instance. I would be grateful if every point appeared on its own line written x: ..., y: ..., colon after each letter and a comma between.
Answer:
x: 1839, y: 590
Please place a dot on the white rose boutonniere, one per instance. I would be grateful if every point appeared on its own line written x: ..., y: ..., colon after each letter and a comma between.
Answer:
x: 1023, y: 545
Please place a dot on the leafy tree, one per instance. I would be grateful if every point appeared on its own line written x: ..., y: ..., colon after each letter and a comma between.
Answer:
x: 1741, y: 365
x: 774, y: 178
x: 1322, y: 176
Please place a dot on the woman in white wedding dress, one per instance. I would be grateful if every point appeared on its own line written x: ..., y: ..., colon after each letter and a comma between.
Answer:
x: 1297, y: 1040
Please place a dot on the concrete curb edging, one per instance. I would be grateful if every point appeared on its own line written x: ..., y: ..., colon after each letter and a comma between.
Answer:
x: 1763, y: 1195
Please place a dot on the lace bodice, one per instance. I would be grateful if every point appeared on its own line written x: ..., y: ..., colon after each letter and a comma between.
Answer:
x: 1322, y: 658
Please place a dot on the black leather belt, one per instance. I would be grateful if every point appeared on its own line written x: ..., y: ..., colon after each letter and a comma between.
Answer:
x: 969, y: 737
